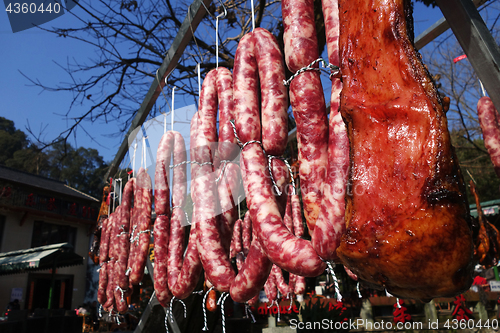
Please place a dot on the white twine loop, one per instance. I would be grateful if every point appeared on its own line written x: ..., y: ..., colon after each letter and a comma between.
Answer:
x: 337, y: 289
x: 290, y: 295
x: 166, y: 321
x: 171, y: 308
x: 122, y: 292
x: 334, y: 70
x: 220, y: 302
x: 359, y: 292
x: 204, y: 306
x: 248, y: 312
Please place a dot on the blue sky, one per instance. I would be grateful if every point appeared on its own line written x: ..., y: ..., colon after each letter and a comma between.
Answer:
x: 35, y: 53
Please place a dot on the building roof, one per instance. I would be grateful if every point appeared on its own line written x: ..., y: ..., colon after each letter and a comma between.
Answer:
x: 43, y: 183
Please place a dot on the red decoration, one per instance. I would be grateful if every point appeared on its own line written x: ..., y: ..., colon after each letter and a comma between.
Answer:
x: 400, y: 315
x: 30, y: 200
x: 72, y: 209
x: 461, y: 312
x: 85, y: 212
x: 51, y: 205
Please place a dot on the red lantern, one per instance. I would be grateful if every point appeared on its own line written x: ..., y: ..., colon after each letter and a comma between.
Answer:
x: 30, y: 200
x: 51, y: 205
x: 72, y: 209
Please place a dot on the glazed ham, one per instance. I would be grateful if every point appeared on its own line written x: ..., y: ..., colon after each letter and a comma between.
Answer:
x: 408, y: 226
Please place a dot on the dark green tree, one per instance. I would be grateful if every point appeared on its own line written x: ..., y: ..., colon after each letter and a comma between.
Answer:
x: 81, y: 168
x: 17, y: 151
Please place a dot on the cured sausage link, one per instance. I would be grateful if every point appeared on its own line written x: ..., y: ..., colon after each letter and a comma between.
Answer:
x: 213, y: 254
x: 228, y: 148
x: 123, y: 240
x: 247, y: 233
x: 308, y: 103
x: 490, y: 126
x: 103, y: 283
x: 252, y: 274
x: 161, y: 235
x: 185, y: 281
x: 330, y: 225
x: 228, y: 188
x: 144, y: 194
x: 309, y: 109
x: 236, y: 243
x: 301, y: 43
x: 290, y: 253
x: 246, y: 100
x: 104, y: 246
x: 274, y: 93
x: 161, y: 228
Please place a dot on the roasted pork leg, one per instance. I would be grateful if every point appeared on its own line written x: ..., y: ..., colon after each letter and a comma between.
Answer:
x: 408, y: 225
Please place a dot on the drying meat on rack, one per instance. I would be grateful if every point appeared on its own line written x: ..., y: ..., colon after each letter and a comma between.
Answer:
x: 408, y: 224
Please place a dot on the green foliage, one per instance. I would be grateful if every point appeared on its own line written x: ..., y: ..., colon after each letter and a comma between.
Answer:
x: 81, y: 168
x: 428, y: 3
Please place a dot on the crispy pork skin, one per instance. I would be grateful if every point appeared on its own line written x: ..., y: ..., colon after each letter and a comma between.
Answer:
x: 408, y: 225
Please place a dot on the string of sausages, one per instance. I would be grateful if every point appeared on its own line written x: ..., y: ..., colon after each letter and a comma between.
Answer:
x: 270, y: 237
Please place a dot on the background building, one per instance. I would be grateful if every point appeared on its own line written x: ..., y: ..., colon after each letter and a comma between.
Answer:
x: 37, y: 212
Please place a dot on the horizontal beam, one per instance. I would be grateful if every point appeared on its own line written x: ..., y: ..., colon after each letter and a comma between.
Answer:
x: 477, y: 42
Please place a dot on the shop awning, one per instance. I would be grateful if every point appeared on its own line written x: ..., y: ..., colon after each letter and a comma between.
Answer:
x: 39, y: 258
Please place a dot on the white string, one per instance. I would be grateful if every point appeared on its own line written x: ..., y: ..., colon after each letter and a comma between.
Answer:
x: 253, y: 15
x: 359, y: 292
x: 144, y: 151
x: 279, y: 312
x: 249, y: 311
x: 397, y: 302
x: 172, y: 115
x: 199, y: 79
x: 222, y: 299
x: 133, y: 160
x: 120, y: 190
x: 337, y: 289
x: 217, y: 42
x: 166, y: 321
x: 290, y: 295
x: 239, y: 209
x: 217, y: 35
x: 482, y: 88
x: 165, y: 123
x: 204, y: 306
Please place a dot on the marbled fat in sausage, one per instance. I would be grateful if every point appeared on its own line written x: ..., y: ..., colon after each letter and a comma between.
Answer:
x: 309, y: 109
x: 161, y: 235
x: 252, y: 274
x: 228, y: 149
x: 236, y: 242
x: 123, y: 240
x: 330, y: 225
x: 247, y: 233
x: 274, y: 94
x: 103, y: 283
x: 300, y: 38
x: 246, y: 100
x: 184, y: 283
x: 490, y: 126
x: 145, y: 194
x: 293, y: 254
